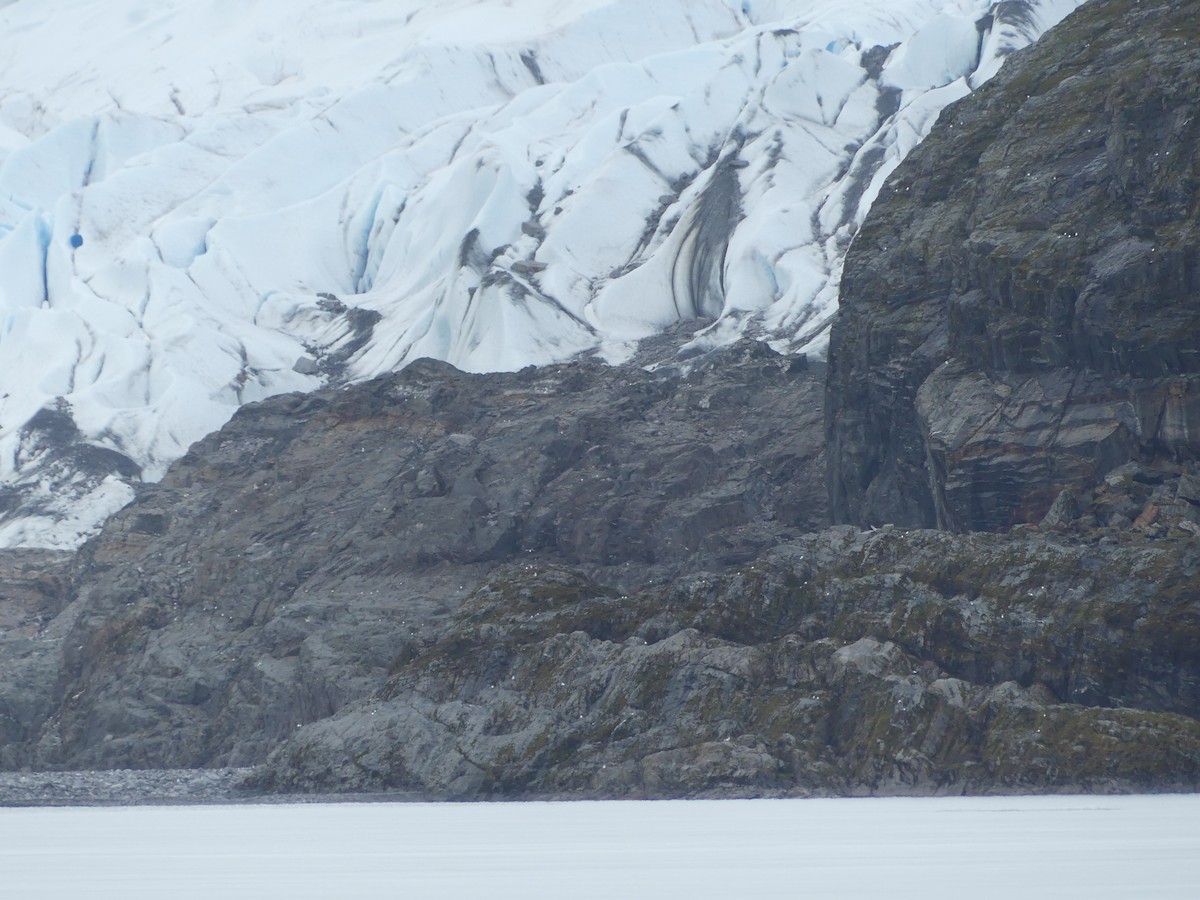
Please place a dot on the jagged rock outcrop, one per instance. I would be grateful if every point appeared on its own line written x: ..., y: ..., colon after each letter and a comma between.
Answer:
x: 34, y: 589
x: 585, y: 581
x: 840, y: 662
x: 1020, y: 314
x: 284, y: 565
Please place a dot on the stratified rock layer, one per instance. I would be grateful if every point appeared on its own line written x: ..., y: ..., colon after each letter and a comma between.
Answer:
x: 1021, y: 312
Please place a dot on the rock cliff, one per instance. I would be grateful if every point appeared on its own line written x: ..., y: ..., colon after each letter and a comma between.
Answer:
x: 1020, y: 314
x: 583, y: 581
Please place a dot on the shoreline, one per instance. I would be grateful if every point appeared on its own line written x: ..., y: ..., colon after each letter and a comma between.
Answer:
x: 226, y: 787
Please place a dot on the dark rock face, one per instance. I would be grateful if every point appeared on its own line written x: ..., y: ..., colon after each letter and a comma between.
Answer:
x: 1021, y: 311
x: 841, y: 662
x: 583, y: 581
x: 285, y: 565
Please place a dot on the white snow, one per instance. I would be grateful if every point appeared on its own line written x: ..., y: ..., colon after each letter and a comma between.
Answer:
x: 904, y: 849
x: 505, y: 182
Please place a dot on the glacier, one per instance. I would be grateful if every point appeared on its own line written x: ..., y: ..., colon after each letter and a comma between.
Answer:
x: 204, y: 203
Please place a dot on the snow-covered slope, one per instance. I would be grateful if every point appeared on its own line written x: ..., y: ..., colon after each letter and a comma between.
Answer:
x: 206, y: 202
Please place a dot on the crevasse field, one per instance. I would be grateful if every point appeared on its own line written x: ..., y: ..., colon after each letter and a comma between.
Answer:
x: 995, y: 847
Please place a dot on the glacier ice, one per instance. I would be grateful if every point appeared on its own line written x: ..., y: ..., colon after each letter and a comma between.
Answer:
x: 204, y: 204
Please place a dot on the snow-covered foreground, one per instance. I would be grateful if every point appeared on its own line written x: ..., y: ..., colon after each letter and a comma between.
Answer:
x: 999, y: 847
x: 205, y: 203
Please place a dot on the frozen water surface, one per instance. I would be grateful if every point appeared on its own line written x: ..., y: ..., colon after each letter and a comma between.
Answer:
x: 998, y: 847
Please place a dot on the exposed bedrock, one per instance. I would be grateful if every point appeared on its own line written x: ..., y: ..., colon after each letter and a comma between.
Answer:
x: 587, y: 581
x: 285, y: 564
x: 34, y: 589
x: 1020, y: 313
x: 841, y: 662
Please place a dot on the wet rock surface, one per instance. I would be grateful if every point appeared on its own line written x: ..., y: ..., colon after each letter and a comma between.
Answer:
x: 1019, y: 313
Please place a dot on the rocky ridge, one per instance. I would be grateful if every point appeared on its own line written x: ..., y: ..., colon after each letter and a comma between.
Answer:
x: 843, y: 662
x: 288, y: 561
x: 380, y: 590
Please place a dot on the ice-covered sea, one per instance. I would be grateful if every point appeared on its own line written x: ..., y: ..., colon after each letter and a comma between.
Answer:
x: 997, y: 847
